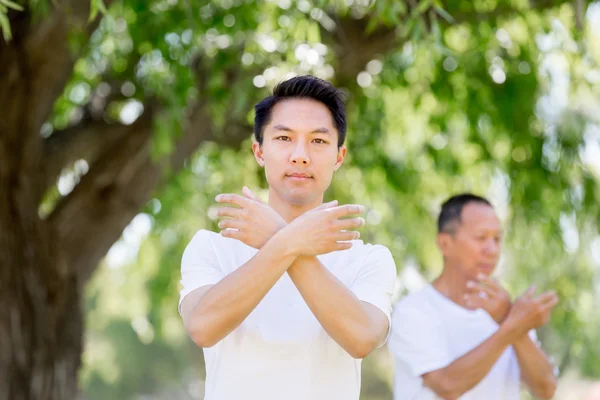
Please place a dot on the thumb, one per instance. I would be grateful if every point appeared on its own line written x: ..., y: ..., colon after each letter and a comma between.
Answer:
x: 530, y: 291
x: 330, y: 204
x: 250, y: 194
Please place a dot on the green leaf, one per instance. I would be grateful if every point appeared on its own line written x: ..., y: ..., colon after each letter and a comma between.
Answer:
x: 95, y: 7
x: 444, y: 14
x: 371, y: 26
x: 5, y: 24
x: 423, y: 6
x: 12, y: 5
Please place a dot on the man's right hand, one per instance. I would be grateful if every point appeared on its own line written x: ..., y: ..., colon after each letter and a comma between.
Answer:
x: 322, y: 230
x: 531, y: 312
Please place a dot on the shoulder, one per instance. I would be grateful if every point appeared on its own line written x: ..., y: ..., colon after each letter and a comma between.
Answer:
x: 204, y: 238
x: 199, y: 246
x: 371, y: 253
x: 416, y: 305
x: 206, y: 235
x: 374, y: 258
x: 205, y: 245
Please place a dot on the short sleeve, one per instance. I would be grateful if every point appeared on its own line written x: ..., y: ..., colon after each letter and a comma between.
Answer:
x: 199, y: 265
x: 418, y: 340
x: 533, y: 336
x: 376, y: 280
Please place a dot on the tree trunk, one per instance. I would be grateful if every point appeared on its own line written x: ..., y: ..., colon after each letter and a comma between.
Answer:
x: 40, y: 298
x: 40, y: 303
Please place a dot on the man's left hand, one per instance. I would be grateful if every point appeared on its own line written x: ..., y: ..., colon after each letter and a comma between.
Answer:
x: 253, y: 223
x: 487, y: 293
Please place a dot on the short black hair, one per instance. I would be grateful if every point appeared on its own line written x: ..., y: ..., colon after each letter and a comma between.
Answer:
x: 452, y: 210
x: 303, y: 87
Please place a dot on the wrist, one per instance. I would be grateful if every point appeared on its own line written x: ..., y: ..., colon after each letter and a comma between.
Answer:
x: 504, y: 315
x: 510, y: 330
x: 283, y: 241
x: 302, y: 263
x: 521, y: 340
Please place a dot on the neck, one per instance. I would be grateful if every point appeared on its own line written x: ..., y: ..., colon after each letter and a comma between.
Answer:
x: 452, y: 284
x: 290, y: 211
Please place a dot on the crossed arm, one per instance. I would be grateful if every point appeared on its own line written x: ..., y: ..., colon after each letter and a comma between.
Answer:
x: 515, y: 321
x: 466, y: 372
x: 357, y: 326
x: 212, y: 312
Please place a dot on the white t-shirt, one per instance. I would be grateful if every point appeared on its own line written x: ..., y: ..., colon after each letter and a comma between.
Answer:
x: 429, y: 331
x: 281, y: 351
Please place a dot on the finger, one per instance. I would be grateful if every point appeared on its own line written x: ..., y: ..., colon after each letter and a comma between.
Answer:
x: 347, y: 235
x: 488, y: 281
x: 346, y: 210
x: 330, y: 204
x: 549, y: 305
x: 530, y: 291
x: 352, y: 223
x: 474, y: 301
x: 477, y: 288
x: 251, y: 195
x: 343, y: 245
x: 231, y: 224
x: 232, y: 234
x: 547, y: 297
x: 231, y: 198
x: 229, y: 212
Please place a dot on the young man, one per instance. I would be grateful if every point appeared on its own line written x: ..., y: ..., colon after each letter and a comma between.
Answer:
x: 286, y: 301
x: 461, y: 337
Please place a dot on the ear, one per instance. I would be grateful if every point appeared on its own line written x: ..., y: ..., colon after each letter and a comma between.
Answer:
x: 258, y: 153
x: 444, y: 240
x: 341, y: 154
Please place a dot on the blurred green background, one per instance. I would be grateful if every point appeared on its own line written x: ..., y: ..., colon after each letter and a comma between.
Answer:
x: 498, y: 97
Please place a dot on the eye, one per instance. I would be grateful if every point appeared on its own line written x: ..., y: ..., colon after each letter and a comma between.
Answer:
x: 284, y: 138
x: 320, y: 141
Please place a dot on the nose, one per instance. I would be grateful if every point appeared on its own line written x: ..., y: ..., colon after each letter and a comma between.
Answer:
x: 492, y: 247
x: 300, y: 155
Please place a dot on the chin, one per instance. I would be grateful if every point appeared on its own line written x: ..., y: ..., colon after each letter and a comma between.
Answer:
x: 298, y: 199
x: 485, y: 271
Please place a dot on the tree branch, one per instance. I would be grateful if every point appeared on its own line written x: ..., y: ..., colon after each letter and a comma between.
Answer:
x: 354, y: 47
x: 36, y: 66
x: 92, y: 217
x: 88, y: 140
x: 39, y: 61
x: 48, y: 53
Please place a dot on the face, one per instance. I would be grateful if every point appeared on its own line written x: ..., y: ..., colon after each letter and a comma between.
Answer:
x: 299, y: 151
x: 474, y: 247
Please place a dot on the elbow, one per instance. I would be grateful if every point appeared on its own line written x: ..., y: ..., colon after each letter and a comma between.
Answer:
x: 364, y: 346
x: 448, y: 391
x: 547, y: 389
x: 203, y: 340
x: 198, y: 332
x: 360, y: 351
x: 444, y: 387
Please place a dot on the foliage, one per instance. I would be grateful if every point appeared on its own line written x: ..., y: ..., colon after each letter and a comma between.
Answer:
x: 496, y: 97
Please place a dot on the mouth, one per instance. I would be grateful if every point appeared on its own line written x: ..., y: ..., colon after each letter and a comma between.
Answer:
x: 488, y: 267
x: 298, y: 176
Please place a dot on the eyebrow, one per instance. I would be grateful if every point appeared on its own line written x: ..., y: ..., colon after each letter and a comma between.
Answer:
x: 501, y: 232
x: 288, y: 129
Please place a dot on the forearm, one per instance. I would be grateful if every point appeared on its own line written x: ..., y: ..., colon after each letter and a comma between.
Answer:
x: 343, y: 316
x: 466, y: 372
x: 225, y: 305
x: 536, y: 370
